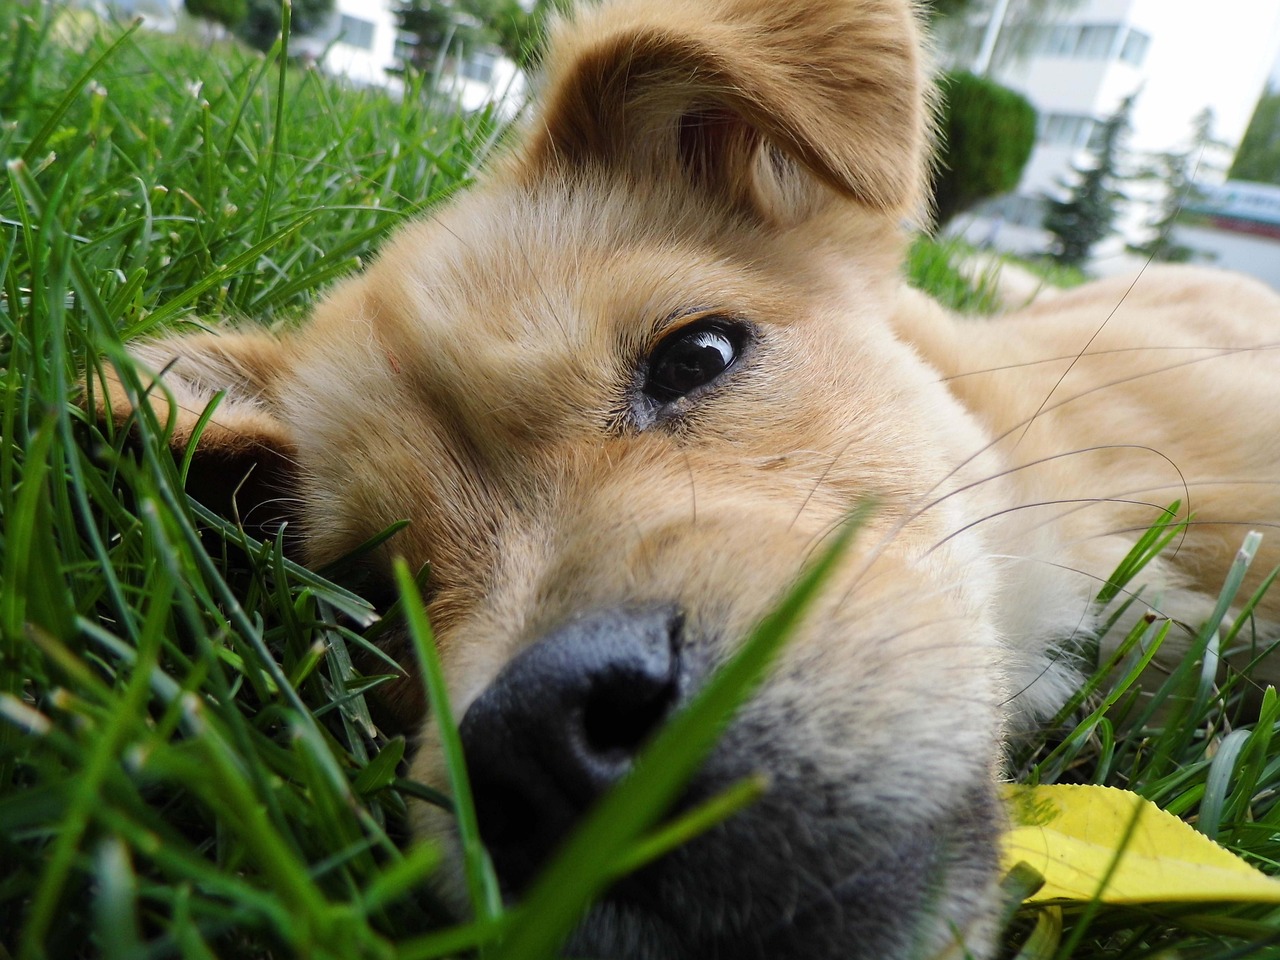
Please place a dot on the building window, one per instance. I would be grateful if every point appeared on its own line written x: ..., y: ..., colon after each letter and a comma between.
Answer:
x: 1066, y: 129
x: 355, y: 32
x: 1135, y: 47
x: 1088, y: 41
x: 1097, y: 42
x: 479, y: 66
x: 1060, y: 40
x: 405, y: 46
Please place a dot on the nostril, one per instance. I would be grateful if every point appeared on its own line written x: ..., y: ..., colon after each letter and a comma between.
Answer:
x: 617, y: 722
x: 562, y: 722
x: 624, y: 706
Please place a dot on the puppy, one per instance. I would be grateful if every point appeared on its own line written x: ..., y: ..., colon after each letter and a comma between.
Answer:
x: 626, y: 386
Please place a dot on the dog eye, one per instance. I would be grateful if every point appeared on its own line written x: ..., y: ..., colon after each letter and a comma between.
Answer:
x: 692, y: 357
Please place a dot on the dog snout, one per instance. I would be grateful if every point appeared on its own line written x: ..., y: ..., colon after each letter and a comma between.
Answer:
x: 562, y: 722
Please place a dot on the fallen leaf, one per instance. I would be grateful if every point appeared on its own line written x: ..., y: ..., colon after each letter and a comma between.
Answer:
x: 1106, y: 844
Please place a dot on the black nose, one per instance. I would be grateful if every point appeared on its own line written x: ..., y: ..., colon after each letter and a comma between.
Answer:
x: 562, y: 723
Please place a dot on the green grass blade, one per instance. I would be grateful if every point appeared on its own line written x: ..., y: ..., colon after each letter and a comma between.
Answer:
x: 481, y: 883
x: 55, y: 117
x: 1217, y: 786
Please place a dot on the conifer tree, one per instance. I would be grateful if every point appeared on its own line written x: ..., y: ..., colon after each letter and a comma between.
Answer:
x: 1088, y: 213
x: 1177, y: 172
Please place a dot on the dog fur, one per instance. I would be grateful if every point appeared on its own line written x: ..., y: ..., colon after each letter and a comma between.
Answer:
x: 485, y: 379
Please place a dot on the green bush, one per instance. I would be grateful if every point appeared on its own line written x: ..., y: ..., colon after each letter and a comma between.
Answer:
x: 986, y: 133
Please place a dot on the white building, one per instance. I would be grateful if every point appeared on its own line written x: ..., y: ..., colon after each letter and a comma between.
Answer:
x: 363, y: 42
x: 159, y: 15
x: 359, y: 42
x: 1177, y: 56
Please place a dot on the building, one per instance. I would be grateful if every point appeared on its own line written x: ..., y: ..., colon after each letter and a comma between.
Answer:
x: 359, y: 42
x: 161, y: 16
x: 363, y: 42
x: 1176, y: 56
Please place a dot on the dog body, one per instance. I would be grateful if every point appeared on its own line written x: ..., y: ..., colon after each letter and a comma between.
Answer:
x: 626, y: 387
x: 1107, y: 404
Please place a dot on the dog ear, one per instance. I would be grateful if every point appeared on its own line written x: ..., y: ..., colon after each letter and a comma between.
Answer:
x: 243, y: 462
x: 733, y: 92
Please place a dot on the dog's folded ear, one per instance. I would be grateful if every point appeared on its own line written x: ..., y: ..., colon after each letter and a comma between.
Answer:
x: 243, y: 461
x: 734, y: 92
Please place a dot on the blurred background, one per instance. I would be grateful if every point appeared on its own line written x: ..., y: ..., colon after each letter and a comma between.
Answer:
x: 1098, y: 134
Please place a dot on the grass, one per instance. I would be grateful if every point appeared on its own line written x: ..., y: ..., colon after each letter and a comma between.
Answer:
x: 931, y: 266
x: 1053, y: 273
x: 174, y: 743
x: 188, y: 765
x: 1197, y: 745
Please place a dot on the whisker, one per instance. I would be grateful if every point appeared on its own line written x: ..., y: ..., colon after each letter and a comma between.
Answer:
x: 1084, y: 350
x: 1044, y: 408
x: 912, y: 516
x: 1114, y: 351
x: 1043, y: 503
x: 817, y: 484
x: 693, y: 493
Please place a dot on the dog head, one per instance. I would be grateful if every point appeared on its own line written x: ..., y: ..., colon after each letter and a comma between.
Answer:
x: 622, y: 389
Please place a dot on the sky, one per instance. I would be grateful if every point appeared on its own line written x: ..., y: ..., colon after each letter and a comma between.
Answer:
x: 1217, y: 54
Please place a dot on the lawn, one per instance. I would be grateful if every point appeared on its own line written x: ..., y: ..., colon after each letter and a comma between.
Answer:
x: 188, y: 762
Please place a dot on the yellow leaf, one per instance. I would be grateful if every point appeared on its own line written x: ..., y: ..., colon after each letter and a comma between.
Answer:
x: 1101, y: 843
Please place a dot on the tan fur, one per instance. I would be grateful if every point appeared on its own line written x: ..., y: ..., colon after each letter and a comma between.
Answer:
x: 755, y: 160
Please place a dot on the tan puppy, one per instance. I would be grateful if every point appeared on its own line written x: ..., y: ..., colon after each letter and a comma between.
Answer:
x: 627, y: 385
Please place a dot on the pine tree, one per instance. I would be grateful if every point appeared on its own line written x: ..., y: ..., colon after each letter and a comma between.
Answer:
x: 1177, y: 173
x: 1088, y: 214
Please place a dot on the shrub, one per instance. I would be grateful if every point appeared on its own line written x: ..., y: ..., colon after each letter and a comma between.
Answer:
x: 986, y: 133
